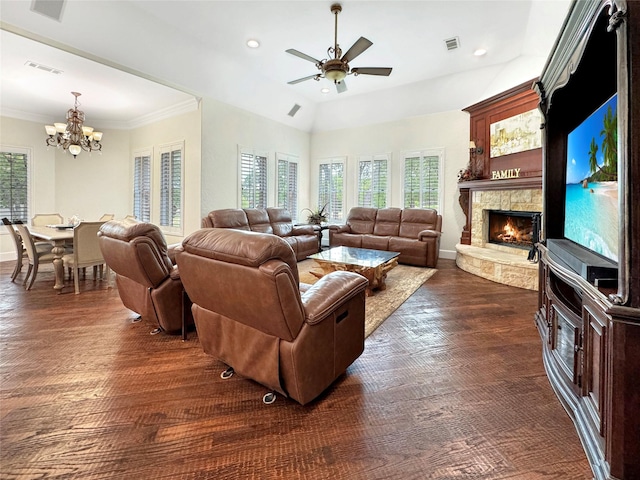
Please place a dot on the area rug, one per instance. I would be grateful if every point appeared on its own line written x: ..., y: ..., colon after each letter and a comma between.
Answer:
x: 401, y: 282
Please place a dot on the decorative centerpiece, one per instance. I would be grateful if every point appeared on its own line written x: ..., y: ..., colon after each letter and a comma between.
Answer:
x: 317, y: 216
x: 467, y: 174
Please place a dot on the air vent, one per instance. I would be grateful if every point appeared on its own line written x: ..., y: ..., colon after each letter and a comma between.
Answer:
x: 48, y: 8
x: 294, y: 110
x: 452, y: 43
x: 44, y: 68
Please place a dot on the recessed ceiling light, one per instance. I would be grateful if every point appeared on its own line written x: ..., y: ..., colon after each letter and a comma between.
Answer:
x: 480, y: 52
x: 252, y: 43
x: 325, y: 90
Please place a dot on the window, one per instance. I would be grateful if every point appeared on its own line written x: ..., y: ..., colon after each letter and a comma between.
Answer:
x: 422, y: 179
x: 373, y: 181
x: 253, y: 180
x: 288, y: 184
x: 142, y: 186
x: 171, y: 162
x: 14, y: 183
x: 331, y: 188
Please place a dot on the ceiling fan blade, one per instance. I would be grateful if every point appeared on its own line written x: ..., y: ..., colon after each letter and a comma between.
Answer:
x: 384, y: 71
x: 302, y: 55
x: 293, y: 82
x: 341, y: 86
x: 356, y: 49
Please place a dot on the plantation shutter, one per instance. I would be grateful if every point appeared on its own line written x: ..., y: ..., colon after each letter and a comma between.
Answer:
x: 171, y: 187
x: 14, y: 184
x: 253, y: 178
x: 331, y: 189
x: 422, y: 181
x: 288, y: 186
x: 142, y: 187
x: 372, y: 182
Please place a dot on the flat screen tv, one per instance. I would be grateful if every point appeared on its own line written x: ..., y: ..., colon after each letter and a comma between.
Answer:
x: 591, y: 196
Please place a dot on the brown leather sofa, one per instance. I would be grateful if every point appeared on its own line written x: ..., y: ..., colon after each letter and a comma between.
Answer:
x: 414, y: 232
x: 303, y: 239
x: 251, y: 314
x: 148, y: 281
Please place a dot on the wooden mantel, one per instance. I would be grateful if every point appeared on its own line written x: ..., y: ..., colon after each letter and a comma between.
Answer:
x: 519, y: 99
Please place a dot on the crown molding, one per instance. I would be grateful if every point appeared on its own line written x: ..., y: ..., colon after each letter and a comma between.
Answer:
x: 181, y: 108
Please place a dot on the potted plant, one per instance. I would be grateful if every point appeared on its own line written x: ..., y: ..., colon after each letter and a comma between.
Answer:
x: 317, y: 216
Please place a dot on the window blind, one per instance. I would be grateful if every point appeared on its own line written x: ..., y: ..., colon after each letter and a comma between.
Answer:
x: 422, y: 181
x: 142, y: 187
x: 373, y: 181
x: 14, y: 185
x: 331, y: 189
x: 253, y: 180
x: 171, y: 187
x: 288, y: 186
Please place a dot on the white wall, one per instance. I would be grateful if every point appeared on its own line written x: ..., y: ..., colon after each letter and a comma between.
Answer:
x: 181, y: 128
x: 224, y: 128
x: 95, y: 183
x: 448, y: 131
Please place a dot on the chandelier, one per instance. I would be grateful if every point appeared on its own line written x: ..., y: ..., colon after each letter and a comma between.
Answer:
x: 73, y: 136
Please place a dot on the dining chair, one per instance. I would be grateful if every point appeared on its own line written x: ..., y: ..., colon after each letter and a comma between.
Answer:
x: 130, y: 217
x: 20, y: 251
x: 86, y: 251
x: 43, y: 219
x: 36, y: 255
x: 106, y: 217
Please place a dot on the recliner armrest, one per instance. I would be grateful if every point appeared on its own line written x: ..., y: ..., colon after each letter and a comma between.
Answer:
x: 329, y: 292
x: 171, y: 251
x: 302, y: 230
x: 340, y: 228
x: 425, y: 234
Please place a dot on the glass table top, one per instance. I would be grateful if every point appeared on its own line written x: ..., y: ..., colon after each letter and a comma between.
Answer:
x: 363, y: 257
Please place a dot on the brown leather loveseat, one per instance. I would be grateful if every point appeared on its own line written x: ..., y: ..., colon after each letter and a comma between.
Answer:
x: 148, y: 282
x: 414, y: 232
x: 303, y: 239
x: 251, y: 314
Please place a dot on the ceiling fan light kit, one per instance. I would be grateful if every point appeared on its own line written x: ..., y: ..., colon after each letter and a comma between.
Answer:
x: 337, y: 68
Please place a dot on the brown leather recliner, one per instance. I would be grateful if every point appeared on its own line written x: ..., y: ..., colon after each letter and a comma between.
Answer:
x: 148, y: 281
x: 251, y: 312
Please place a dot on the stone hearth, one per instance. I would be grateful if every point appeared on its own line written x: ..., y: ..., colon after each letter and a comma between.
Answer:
x: 498, y: 263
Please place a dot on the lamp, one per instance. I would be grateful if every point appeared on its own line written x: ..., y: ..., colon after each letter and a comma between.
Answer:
x: 473, y: 150
x: 74, y: 135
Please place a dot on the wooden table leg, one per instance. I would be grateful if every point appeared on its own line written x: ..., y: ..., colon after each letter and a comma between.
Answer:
x: 58, y: 252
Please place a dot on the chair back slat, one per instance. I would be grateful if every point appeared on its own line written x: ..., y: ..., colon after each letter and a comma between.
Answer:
x: 43, y: 219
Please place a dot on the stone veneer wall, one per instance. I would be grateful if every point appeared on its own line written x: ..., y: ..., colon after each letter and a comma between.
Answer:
x: 498, y: 263
x: 526, y: 200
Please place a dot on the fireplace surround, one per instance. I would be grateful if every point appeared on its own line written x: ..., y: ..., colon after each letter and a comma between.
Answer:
x: 500, y: 262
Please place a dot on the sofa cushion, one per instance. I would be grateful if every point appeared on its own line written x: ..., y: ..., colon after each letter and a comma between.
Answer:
x: 414, y: 220
x: 258, y: 220
x: 229, y: 218
x: 346, y: 240
x: 362, y: 219
x: 388, y: 222
x: 412, y: 252
x: 280, y: 220
x: 375, y: 242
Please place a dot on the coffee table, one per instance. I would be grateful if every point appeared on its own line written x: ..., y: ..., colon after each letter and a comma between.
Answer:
x: 371, y: 264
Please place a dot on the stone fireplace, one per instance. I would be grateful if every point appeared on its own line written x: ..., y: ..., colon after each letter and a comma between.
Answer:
x: 492, y: 252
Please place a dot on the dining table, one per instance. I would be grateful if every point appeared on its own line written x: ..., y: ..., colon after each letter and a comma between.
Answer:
x: 58, y: 235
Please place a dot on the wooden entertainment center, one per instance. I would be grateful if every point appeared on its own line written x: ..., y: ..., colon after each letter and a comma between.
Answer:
x: 590, y: 327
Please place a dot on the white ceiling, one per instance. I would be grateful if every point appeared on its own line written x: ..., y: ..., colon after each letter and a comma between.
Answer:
x: 199, y: 48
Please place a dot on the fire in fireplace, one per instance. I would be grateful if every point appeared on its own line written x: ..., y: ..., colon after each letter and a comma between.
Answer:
x: 515, y: 229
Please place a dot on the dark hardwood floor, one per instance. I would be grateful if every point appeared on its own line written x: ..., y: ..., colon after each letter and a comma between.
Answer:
x: 451, y: 386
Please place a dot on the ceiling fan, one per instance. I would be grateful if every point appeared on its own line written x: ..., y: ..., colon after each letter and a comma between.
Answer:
x: 337, y: 68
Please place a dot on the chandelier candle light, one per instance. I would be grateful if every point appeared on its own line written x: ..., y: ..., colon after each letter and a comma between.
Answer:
x: 73, y: 135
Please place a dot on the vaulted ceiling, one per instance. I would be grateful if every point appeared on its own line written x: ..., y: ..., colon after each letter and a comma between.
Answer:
x: 134, y: 58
